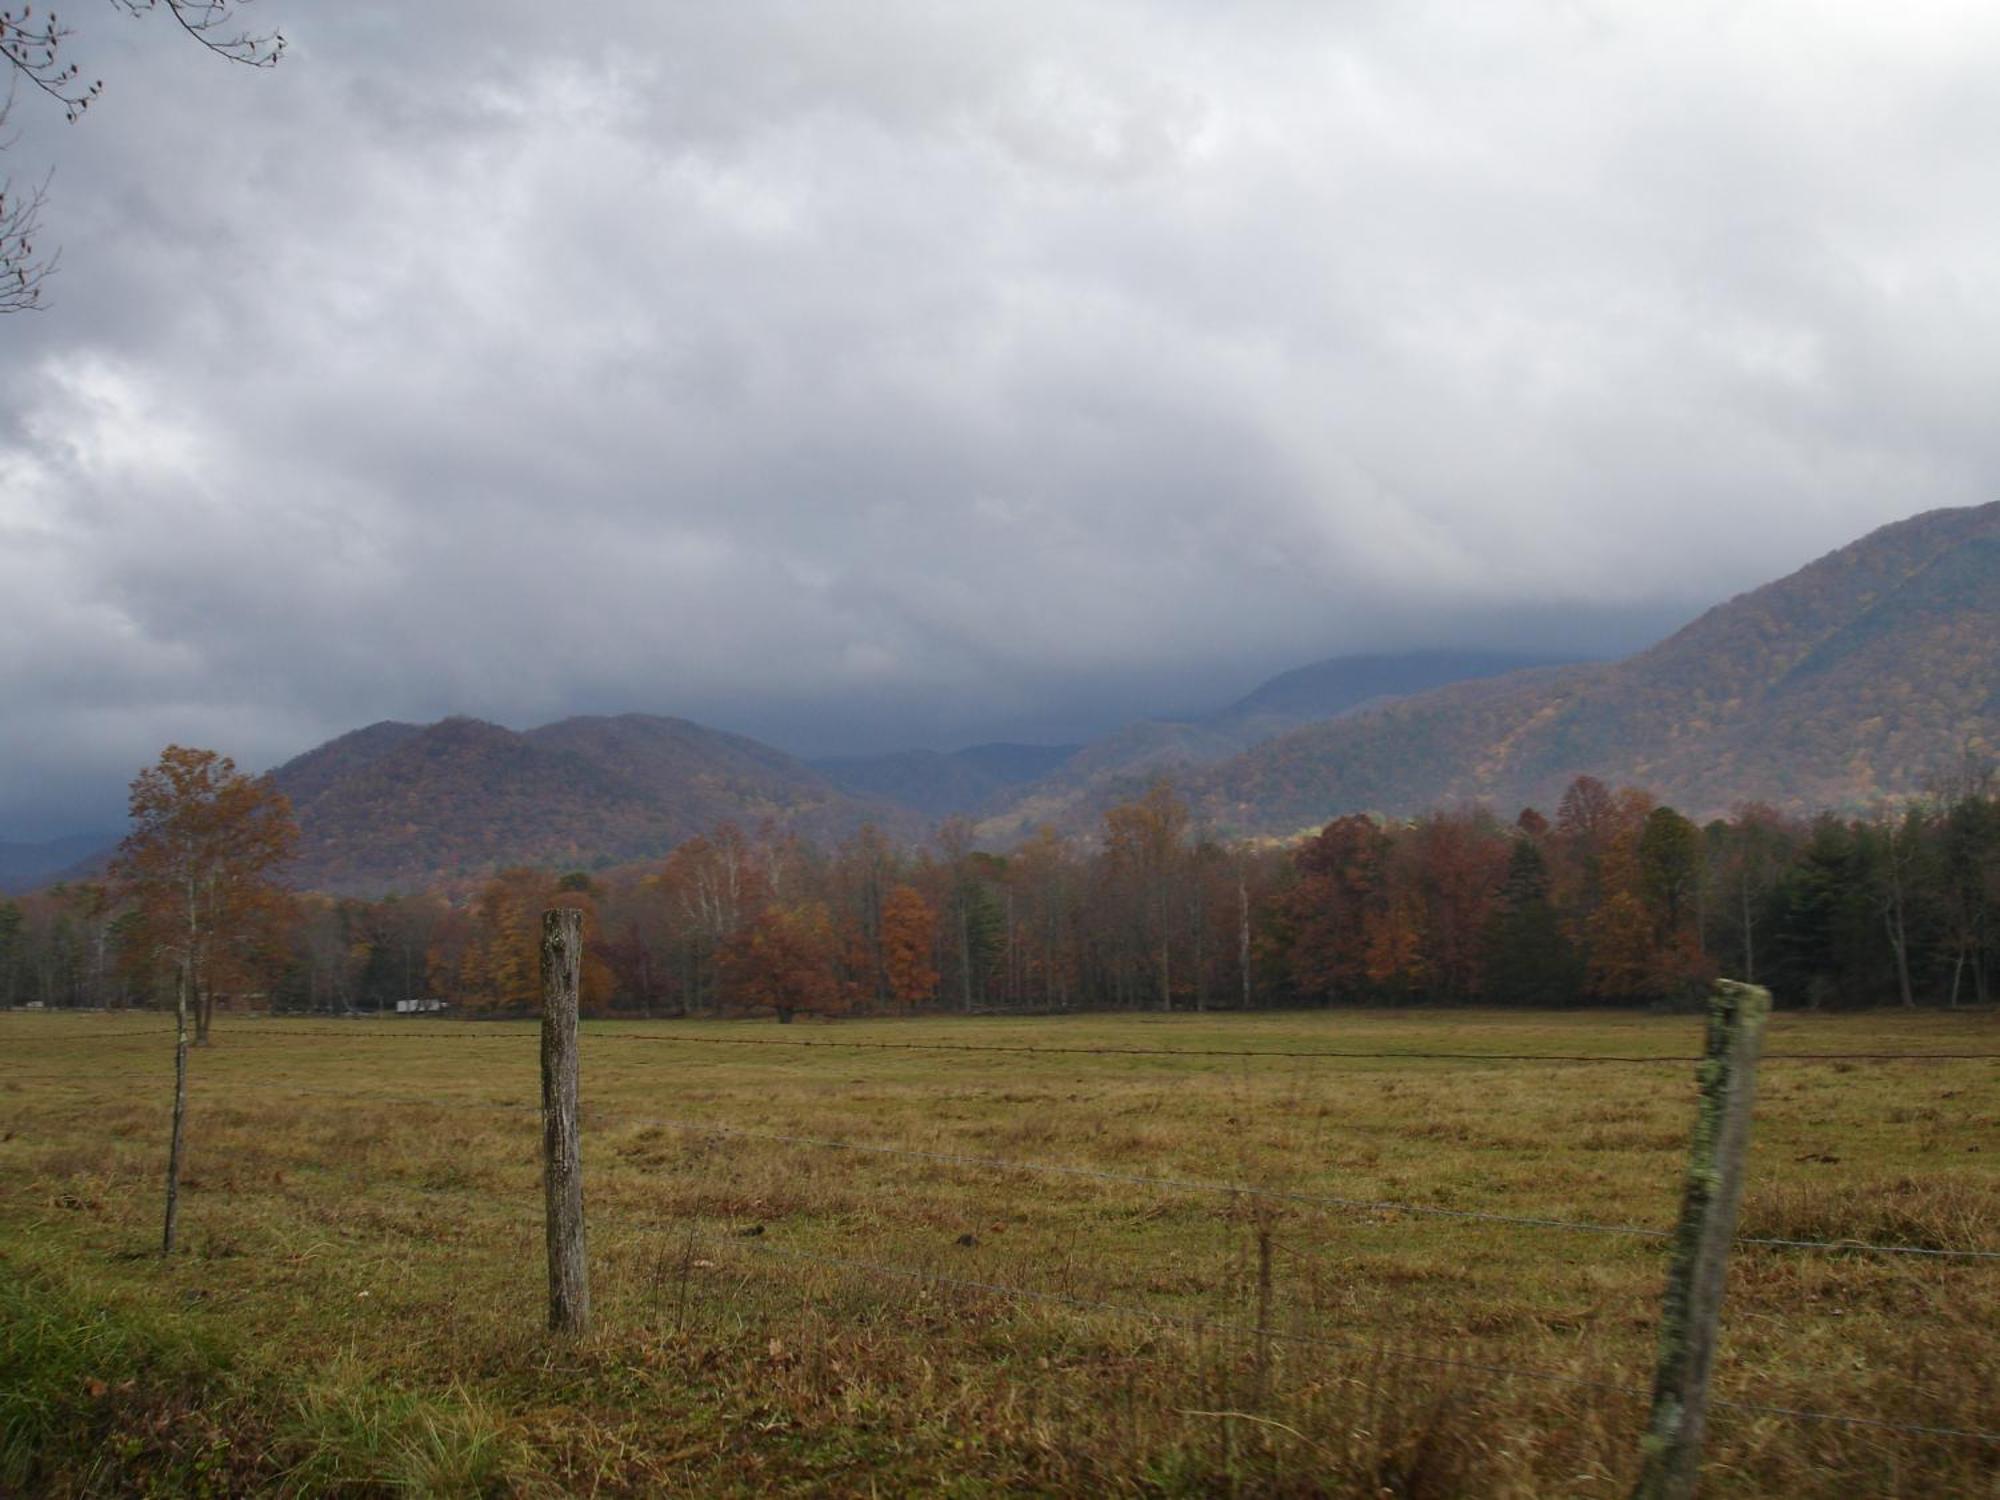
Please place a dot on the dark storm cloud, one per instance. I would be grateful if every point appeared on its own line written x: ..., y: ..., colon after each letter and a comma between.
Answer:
x: 849, y: 374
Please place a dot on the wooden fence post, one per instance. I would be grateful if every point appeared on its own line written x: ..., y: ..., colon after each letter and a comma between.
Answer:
x: 562, y: 1168
x: 1692, y: 1317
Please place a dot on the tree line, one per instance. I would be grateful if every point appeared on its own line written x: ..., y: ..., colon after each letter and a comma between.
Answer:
x: 1612, y: 899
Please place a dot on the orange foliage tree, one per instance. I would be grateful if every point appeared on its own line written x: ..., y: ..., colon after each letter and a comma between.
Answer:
x: 909, y: 940
x: 787, y: 958
x: 1145, y: 862
x: 199, y: 870
x: 1333, y: 904
x: 499, y: 967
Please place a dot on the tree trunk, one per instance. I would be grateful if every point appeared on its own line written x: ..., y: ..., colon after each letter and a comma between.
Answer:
x: 1013, y: 990
x: 1899, y: 940
x: 1749, y: 943
x: 1243, y: 933
x: 1200, y: 957
x: 180, y: 1110
x: 965, y: 957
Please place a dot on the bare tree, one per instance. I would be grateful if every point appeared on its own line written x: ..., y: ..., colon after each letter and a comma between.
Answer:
x: 33, y: 46
x: 1967, y: 802
x: 23, y: 268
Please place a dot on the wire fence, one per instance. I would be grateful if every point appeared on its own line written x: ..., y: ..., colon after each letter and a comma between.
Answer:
x: 762, y: 1250
x: 1248, y: 1332
x: 265, y: 1030
x: 1084, y: 1171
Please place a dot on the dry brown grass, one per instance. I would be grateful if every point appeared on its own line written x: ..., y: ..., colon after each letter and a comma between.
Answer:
x: 363, y: 1279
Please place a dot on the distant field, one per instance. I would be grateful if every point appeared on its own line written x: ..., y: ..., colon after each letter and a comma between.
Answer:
x: 360, y: 1301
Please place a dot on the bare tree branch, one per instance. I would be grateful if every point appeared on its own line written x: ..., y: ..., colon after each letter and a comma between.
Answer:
x: 207, y: 21
x: 32, y: 46
x: 22, y: 268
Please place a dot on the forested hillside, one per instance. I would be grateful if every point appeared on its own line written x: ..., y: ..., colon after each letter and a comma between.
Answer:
x: 1853, y: 679
x: 1121, y: 763
x: 941, y: 784
x: 25, y: 866
x: 1849, y: 682
x: 401, y: 806
x: 1610, y: 897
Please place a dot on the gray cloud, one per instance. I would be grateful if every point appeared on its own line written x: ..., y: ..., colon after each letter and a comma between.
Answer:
x: 853, y: 374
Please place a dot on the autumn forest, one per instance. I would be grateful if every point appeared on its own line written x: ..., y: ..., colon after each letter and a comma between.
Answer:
x: 1608, y: 898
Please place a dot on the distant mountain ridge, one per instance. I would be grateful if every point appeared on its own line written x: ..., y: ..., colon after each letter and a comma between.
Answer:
x: 402, y: 805
x: 397, y: 805
x: 26, y: 866
x: 941, y: 783
x: 1851, y: 680
x: 1327, y: 689
x: 1120, y: 764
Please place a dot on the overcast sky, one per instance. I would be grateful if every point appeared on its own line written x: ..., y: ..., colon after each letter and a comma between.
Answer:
x: 857, y: 375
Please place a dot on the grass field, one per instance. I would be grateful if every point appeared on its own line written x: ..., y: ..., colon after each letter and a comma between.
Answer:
x: 359, y: 1300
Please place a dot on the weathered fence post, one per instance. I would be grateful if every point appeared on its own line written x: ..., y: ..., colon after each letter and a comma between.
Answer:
x: 562, y: 1168
x: 1692, y: 1317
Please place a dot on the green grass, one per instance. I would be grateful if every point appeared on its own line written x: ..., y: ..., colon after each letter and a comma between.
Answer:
x: 357, y: 1307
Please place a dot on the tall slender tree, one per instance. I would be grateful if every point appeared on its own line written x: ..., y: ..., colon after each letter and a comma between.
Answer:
x: 199, y: 868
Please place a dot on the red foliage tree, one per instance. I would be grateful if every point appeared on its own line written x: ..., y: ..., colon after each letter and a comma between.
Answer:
x: 909, y: 939
x: 1332, y: 906
x: 787, y: 959
x: 199, y: 867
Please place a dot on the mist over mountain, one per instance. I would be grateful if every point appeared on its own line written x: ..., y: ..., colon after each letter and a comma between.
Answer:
x: 398, y: 805
x: 24, y: 866
x: 1851, y: 680
x: 941, y: 784
x: 1120, y: 764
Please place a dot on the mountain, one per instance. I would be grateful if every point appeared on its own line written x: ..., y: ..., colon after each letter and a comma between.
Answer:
x: 1851, y: 680
x: 1120, y: 764
x: 23, y: 867
x: 403, y: 805
x: 941, y: 783
x: 1329, y: 688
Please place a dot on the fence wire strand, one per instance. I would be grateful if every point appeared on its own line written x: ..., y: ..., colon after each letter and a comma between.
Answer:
x: 1030, y: 1049
x: 1245, y: 1190
x: 595, y: 1116
x: 1191, y: 1323
x: 1280, y: 1335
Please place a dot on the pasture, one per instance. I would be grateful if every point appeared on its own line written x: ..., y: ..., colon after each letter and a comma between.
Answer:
x: 358, y: 1305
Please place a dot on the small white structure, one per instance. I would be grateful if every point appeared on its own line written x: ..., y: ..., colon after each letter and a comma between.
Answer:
x: 418, y: 1007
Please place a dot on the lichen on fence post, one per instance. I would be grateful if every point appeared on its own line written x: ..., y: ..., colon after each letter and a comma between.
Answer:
x: 1691, y: 1319
x: 562, y: 1167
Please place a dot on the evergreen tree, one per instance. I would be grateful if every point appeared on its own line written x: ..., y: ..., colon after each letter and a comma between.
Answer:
x: 1528, y: 960
x: 12, y: 946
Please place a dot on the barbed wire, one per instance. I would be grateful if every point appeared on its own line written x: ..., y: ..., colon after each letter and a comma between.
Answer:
x: 1276, y: 1195
x: 1281, y: 1335
x: 1341, y: 1054
x: 597, y: 1116
x: 525, y: 1031
x: 1214, y: 1326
